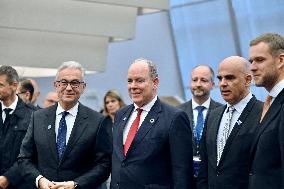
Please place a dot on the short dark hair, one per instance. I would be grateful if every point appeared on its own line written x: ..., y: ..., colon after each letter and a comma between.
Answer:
x: 26, y: 85
x: 275, y: 42
x: 10, y: 72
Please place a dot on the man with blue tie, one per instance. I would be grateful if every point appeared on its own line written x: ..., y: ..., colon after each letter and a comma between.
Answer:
x: 152, y: 140
x: 67, y: 145
x: 199, y: 107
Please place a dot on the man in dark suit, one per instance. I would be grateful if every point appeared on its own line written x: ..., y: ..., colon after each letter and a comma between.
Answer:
x: 202, y: 82
x: 13, y: 126
x: 266, y: 55
x: 230, y: 129
x: 67, y: 144
x: 159, y: 154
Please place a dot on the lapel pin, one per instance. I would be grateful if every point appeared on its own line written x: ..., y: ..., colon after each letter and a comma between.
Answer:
x: 239, y: 122
x: 124, y: 118
x: 49, y: 127
x: 152, y: 120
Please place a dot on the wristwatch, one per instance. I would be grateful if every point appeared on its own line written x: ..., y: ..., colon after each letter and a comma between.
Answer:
x: 75, y: 184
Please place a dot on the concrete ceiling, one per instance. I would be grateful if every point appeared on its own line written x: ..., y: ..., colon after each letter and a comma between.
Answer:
x: 43, y: 34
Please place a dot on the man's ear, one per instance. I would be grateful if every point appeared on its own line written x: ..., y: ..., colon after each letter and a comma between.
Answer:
x: 281, y: 60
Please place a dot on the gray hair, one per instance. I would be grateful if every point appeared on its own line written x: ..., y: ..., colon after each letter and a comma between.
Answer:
x: 10, y: 72
x: 152, y: 67
x: 70, y: 64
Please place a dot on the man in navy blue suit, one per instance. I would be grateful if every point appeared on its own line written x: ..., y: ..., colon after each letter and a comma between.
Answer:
x: 152, y: 140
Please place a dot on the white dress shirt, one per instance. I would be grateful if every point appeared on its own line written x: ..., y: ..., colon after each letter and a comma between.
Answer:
x: 144, y: 113
x: 276, y: 90
x: 12, y: 106
x: 70, y: 119
x: 206, y: 104
x: 239, y: 107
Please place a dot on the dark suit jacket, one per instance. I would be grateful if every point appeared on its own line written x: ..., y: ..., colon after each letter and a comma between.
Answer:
x: 87, y: 156
x: 10, y: 145
x: 187, y: 107
x: 160, y: 156
x: 232, y: 171
x: 267, y: 154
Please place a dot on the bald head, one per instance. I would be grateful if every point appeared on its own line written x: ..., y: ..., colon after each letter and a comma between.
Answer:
x: 234, y: 79
x: 50, y: 99
x: 237, y: 62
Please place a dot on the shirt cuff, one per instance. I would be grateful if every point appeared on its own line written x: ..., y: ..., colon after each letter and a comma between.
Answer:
x: 37, y: 179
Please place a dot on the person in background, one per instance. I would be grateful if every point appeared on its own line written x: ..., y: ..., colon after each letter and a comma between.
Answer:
x: 36, y: 94
x: 152, y: 144
x: 199, y: 107
x: 230, y: 129
x: 266, y: 54
x: 67, y: 145
x: 112, y: 103
x: 15, y: 119
x: 50, y: 99
x: 26, y: 91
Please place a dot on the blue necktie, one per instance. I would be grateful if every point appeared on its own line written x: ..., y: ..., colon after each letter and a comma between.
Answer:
x: 61, y: 136
x: 199, y: 124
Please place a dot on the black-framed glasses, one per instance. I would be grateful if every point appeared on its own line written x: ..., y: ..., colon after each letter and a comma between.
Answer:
x: 73, y: 83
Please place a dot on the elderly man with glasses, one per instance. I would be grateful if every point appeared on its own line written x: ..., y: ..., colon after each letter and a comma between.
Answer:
x: 67, y: 145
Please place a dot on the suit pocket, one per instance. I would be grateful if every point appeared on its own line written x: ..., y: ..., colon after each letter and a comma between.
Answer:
x: 157, y: 186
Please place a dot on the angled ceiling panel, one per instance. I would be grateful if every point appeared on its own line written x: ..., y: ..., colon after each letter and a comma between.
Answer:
x: 49, y: 50
x: 152, y: 4
x: 69, y: 16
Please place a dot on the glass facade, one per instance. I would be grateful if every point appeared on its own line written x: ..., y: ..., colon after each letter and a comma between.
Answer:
x: 207, y: 31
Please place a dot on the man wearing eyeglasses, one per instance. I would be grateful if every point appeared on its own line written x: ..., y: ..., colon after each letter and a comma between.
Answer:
x: 67, y: 145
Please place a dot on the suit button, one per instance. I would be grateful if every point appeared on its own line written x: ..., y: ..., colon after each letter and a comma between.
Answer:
x: 117, y: 184
x: 218, y: 173
x: 250, y: 174
x: 123, y: 164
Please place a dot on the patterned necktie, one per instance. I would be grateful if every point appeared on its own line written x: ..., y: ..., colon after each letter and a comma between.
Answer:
x: 61, y: 136
x: 199, y: 124
x: 132, y: 131
x: 225, y: 133
x: 266, y: 106
x: 7, y: 119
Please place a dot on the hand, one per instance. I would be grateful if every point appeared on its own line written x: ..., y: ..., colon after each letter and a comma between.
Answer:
x: 44, y: 183
x: 4, y: 183
x: 63, y: 185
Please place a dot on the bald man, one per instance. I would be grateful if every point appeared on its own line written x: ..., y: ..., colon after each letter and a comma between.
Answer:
x: 50, y: 99
x: 230, y: 129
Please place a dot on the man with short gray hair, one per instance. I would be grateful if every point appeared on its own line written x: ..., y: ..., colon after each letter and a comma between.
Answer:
x: 68, y: 144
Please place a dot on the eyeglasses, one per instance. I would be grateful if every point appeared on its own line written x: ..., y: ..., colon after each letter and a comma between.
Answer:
x: 74, y: 84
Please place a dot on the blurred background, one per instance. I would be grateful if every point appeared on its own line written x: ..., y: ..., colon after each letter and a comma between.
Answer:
x: 105, y: 36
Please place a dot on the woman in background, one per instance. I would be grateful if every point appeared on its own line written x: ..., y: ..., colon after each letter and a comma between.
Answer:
x: 112, y: 103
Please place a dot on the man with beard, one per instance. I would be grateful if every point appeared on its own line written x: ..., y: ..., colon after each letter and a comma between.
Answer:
x: 198, y: 108
x: 266, y: 54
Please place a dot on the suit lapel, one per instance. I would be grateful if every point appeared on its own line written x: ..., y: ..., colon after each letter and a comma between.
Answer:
x: 269, y: 116
x: 121, y: 126
x: 77, y: 130
x: 240, y: 122
x: 214, y: 132
x: 49, y: 128
x: 149, y: 121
